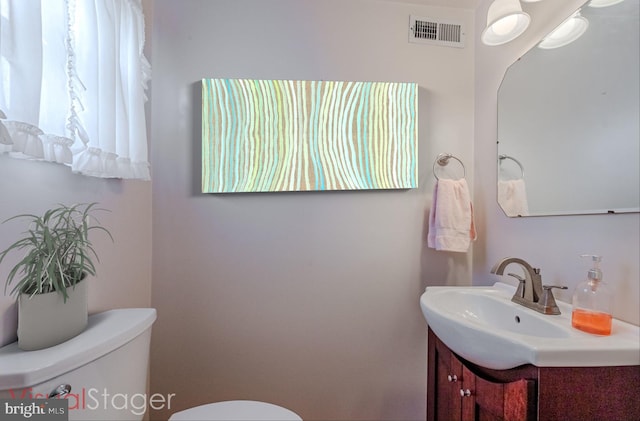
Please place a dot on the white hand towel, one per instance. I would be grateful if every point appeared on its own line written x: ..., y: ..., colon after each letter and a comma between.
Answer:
x: 512, y: 197
x: 451, y: 225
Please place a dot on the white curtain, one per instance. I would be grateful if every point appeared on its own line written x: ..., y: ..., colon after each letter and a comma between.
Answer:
x: 73, y: 83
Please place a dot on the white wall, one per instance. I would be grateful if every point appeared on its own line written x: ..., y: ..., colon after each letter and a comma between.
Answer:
x: 551, y: 243
x: 124, y: 271
x: 307, y: 300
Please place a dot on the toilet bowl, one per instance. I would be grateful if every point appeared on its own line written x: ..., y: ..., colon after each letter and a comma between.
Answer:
x: 102, y: 372
x: 236, y: 410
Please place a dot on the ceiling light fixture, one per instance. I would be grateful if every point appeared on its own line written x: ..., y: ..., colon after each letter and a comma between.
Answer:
x: 505, y: 22
x: 567, y: 32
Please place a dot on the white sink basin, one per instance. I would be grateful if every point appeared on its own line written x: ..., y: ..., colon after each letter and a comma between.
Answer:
x: 483, y: 326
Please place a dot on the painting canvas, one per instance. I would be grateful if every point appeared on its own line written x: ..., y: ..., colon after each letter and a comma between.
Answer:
x: 287, y: 135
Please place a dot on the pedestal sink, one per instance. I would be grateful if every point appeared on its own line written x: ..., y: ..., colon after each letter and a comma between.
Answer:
x: 483, y: 326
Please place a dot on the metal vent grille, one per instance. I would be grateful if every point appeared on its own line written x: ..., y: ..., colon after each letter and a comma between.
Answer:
x: 436, y: 32
x: 449, y: 32
x: 425, y: 30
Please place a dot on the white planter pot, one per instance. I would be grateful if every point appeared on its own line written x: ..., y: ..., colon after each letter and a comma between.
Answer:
x: 46, y: 320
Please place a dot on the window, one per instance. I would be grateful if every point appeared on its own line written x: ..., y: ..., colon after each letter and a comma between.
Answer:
x: 73, y: 83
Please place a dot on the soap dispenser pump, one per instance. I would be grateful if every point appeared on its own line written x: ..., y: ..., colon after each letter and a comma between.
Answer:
x: 592, y: 302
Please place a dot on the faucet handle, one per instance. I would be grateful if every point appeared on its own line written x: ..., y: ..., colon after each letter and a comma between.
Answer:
x: 548, y: 302
x: 549, y: 287
x: 521, y: 285
x: 518, y: 277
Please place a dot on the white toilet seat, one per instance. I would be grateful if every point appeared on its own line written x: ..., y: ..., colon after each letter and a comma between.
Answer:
x: 236, y: 410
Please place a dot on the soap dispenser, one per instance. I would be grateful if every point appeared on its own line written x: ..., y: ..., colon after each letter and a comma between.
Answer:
x: 592, y: 302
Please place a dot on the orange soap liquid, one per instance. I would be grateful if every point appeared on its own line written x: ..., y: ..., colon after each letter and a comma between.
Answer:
x: 591, y: 321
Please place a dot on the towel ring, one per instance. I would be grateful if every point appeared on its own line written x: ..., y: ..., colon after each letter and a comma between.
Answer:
x: 443, y: 160
x: 503, y: 157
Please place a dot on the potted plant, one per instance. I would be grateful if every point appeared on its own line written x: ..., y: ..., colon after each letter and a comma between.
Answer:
x: 49, y: 281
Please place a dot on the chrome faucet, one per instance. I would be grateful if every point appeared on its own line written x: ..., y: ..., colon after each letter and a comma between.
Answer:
x: 530, y: 292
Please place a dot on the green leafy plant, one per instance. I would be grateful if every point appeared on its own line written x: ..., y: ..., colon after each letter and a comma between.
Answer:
x: 58, y: 253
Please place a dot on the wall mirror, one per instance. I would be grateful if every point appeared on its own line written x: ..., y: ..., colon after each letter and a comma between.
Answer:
x: 568, y: 131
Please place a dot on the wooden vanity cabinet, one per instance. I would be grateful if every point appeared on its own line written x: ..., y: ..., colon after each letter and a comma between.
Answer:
x: 461, y: 393
x: 460, y: 390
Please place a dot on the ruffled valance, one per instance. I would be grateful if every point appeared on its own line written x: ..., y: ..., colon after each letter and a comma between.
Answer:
x: 77, y: 80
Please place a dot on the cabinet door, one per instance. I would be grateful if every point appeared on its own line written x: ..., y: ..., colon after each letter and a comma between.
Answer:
x: 449, y: 381
x: 489, y: 401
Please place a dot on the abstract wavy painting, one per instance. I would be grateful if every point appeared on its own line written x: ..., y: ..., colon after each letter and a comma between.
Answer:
x: 286, y: 135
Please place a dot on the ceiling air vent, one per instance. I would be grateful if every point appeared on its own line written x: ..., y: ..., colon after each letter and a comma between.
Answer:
x: 437, y: 32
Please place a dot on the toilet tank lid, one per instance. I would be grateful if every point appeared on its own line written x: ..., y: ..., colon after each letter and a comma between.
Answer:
x: 105, y: 332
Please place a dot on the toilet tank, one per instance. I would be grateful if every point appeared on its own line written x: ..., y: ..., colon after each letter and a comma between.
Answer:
x: 106, y: 367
